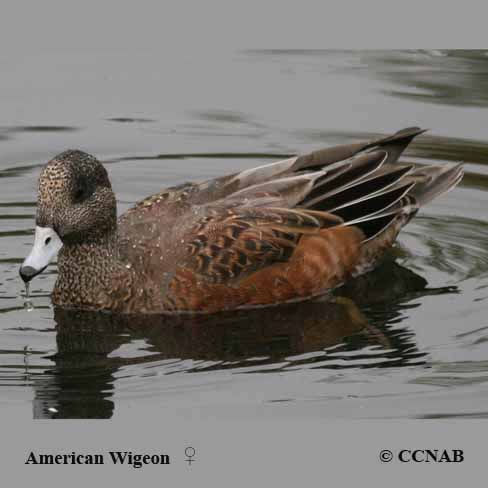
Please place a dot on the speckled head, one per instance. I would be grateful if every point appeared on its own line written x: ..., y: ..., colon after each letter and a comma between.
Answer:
x: 75, y: 197
x: 75, y: 204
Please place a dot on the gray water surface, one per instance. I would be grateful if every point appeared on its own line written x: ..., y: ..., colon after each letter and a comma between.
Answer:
x: 407, y: 340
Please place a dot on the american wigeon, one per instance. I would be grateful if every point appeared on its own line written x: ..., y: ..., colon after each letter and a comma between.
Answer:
x: 282, y: 232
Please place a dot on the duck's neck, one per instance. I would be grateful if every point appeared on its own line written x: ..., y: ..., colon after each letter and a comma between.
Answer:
x: 86, y: 272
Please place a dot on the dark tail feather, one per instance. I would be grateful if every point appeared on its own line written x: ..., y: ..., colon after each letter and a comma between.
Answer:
x: 375, y: 225
x: 363, y: 190
x: 374, y: 205
x: 394, y: 145
x: 344, y: 176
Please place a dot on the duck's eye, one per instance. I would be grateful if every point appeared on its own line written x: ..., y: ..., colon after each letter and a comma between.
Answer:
x: 80, y: 194
x: 47, y: 241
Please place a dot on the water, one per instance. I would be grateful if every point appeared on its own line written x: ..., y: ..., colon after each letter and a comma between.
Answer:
x: 408, y: 340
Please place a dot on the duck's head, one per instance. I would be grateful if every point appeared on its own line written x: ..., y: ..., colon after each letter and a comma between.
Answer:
x: 75, y: 204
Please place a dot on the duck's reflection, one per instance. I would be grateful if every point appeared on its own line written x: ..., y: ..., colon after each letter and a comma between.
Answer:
x: 82, y: 381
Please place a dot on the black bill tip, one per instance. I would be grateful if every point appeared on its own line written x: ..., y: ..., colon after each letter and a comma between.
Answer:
x: 28, y: 272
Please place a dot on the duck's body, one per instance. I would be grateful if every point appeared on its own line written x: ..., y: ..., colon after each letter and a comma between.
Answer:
x: 286, y: 231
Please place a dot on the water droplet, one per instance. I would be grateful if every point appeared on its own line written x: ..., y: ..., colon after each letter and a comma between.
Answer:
x: 128, y: 266
x: 28, y: 305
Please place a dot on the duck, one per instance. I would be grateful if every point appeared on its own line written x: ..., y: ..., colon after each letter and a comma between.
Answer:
x: 283, y: 232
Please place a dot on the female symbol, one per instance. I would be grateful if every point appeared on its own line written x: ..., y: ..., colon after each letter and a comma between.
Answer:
x: 189, y: 453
